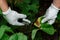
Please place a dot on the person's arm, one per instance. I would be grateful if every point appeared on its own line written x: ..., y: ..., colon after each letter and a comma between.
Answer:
x: 12, y: 16
x: 56, y: 3
x: 4, y: 5
x: 52, y: 12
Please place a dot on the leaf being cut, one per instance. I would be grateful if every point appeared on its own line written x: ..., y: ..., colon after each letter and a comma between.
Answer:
x: 48, y: 28
x: 38, y: 22
x: 44, y: 27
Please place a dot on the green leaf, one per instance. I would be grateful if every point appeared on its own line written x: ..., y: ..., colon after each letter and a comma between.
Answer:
x: 8, y: 29
x: 2, y: 30
x: 21, y: 36
x: 27, y: 1
x: 5, y: 37
x: 34, y: 8
x: 35, y: 2
x: 58, y: 17
x: 34, y: 33
x: 0, y: 11
x: 14, y: 37
x: 18, y: 36
x: 59, y: 38
x: 48, y: 29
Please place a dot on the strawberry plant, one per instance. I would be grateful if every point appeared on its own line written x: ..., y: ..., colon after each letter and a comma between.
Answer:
x: 27, y: 32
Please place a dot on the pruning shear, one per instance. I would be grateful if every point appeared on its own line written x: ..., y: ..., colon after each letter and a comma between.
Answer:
x: 25, y: 21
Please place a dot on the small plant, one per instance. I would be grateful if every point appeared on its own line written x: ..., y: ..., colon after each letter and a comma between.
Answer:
x: 27, y: 32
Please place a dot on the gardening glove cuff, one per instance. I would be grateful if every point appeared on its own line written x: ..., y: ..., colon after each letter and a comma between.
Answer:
x: 54, y: 6
x: 7, y: 12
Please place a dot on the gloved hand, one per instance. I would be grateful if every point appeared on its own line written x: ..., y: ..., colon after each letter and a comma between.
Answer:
x: 50, y: 15
x: 13, y: 16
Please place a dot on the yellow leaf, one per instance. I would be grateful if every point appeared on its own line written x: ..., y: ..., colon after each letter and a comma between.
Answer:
x: 38, y: 22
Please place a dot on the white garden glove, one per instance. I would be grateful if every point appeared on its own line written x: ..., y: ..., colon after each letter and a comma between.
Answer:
x: 50, y: 15
x: 13, y: 16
